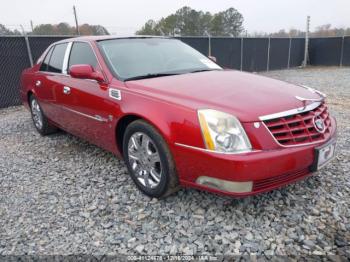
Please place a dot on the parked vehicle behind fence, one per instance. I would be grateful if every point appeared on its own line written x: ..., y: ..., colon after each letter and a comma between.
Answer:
x: 177, y: 118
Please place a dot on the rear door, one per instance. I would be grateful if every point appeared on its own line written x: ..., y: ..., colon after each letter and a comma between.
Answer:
x: 48, y: 79
x: 43, y: 90
x: 87, y: 100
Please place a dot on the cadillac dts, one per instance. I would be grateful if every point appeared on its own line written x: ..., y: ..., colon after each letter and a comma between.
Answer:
x: 177, y: 118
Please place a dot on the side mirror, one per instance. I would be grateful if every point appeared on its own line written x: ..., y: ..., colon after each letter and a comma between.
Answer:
x: 85, y: 72
x: 212, y: 58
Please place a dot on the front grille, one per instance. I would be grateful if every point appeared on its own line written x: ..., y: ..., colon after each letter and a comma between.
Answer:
x: 299, y: 128
x: 271, y: 182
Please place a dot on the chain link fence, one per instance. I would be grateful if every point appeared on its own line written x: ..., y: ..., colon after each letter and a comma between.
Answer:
x: 15, y: 53
x: 247, y: 54
x: 13, y: 59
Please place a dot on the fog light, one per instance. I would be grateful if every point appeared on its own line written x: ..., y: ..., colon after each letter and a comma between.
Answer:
x: 224, y: 185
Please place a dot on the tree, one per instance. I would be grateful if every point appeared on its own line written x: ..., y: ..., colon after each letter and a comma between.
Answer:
x: 99, y: 30
x: 44, y: 29
x: 149, y: 28
x: 66, y: 29
x: 232, y: 22
x: 5, y: 31
x: 321, y: 31
x: 189, y: 22
x: 205, y: 23
x: 217, y: 25
x: 280, y: 33
x: 167, y: 26
x: 63, y: 29
x: 296, y: 33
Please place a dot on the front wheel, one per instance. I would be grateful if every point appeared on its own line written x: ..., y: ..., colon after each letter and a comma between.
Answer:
x: 149, y: 161
x: 40, y: 121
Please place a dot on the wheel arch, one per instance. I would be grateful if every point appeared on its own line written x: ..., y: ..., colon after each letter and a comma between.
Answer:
x: 127, y: 119
x: 120, y: 128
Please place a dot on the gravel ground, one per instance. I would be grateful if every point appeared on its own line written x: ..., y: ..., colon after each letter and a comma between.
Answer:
x: 61, y: 195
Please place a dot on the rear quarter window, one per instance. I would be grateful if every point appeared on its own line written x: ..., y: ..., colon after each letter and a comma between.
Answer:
x: 45, y: 63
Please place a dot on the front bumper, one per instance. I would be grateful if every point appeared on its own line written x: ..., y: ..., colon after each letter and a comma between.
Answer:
x: 266, y: 169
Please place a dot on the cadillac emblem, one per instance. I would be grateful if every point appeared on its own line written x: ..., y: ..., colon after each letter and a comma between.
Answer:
x: 319, y: 124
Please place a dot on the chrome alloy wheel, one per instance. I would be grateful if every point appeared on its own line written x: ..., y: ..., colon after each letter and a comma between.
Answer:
x: 37, y: 114
x: 144, y: 160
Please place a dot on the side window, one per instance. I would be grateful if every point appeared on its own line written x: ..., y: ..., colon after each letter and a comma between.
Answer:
x: 45, y: 63
x: 81, y: 53
x: 57, y: 57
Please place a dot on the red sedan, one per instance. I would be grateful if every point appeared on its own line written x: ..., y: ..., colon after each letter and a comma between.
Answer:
x: 177, y: 118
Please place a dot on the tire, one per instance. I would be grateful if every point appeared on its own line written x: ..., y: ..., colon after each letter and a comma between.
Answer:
x: 40, y: 121
x: 155, y: 177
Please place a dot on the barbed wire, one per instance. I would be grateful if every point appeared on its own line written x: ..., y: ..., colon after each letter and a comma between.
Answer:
x: 115, y: 30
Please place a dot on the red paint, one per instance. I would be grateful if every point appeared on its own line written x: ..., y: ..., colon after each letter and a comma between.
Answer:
x: 170, y: 104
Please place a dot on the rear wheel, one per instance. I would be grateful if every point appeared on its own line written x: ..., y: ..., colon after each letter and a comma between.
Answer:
x: 149, y: 161
x: 40, y: 121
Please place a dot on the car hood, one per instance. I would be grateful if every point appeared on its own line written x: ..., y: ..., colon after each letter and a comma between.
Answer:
x: 245, y: 95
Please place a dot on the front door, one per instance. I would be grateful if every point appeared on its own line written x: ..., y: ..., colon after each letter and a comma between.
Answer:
x: 86, y: 101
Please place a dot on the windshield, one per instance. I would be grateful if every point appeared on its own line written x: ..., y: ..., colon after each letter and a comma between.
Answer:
x: 152, y: 57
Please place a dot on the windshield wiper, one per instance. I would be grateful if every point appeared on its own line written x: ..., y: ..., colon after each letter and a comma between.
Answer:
x: 150, y: 76
x: 203, y: 70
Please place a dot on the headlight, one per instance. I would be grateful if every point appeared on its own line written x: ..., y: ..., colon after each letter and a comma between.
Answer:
x: 223, y: 132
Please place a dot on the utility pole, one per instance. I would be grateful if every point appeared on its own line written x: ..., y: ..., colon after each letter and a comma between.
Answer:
x: 306, y: 53
x: 76, y: 20
x: 31, y: 25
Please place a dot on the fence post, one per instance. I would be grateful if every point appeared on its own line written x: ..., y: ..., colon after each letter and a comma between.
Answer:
x: 306, y: 51
x: 209, y: 43
x: 289, y: 51
x: 242, y: 54
x: 342, y: 52
x: 29, y: 51
x: 268, y: 55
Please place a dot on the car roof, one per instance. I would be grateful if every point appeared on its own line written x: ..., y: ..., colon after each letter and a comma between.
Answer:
x: 108, y: 37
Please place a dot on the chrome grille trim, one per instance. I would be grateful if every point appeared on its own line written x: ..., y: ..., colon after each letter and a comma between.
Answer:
x: 297, y: 129
x: 299, y: 110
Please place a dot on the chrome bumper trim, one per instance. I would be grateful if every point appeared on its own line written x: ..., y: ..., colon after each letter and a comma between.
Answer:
x: 225, y: 185
x: 216, y: 152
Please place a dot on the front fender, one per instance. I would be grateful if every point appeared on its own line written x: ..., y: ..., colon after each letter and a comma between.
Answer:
x: 177, y: 124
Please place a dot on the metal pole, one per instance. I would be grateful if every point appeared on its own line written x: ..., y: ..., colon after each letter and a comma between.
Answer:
x: 242, y: 54
x: 29, y: 51
x: 31, y: 25
x: 268, y: 55
x: 289, y: 51
x: 306, y: 51
x: 209, y: 43
x: 76, y: 20
x: 342, y: 52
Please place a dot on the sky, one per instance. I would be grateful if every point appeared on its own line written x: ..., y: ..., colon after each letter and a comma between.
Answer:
x: 126, y: 16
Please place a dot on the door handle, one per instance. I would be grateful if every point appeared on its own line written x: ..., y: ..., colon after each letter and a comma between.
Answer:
x: 38, y: 83
x: 66, y: 90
